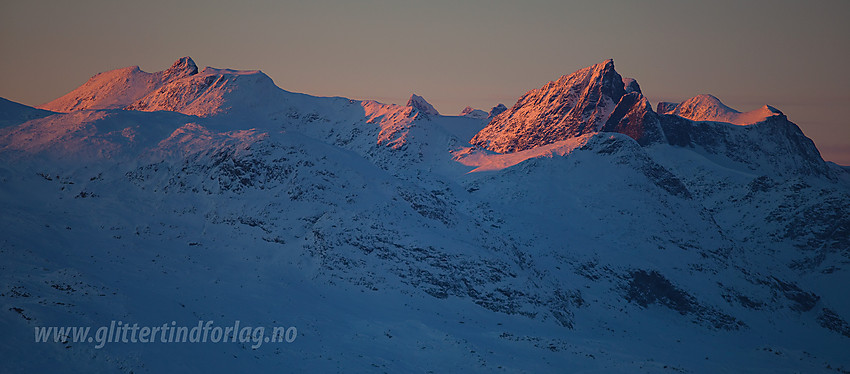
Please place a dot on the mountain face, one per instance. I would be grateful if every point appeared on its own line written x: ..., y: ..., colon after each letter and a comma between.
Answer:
x: 210, y: 92
x: 709, y: 108
x: 118, y: 88
x: 578, y: 229
x: 419, y: 103
x: 574, y: 105
x: 597, y: 99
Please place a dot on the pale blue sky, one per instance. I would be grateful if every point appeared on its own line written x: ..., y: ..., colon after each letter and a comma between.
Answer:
x: 788, y: 54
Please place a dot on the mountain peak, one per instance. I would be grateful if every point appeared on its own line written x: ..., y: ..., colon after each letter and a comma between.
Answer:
x: 211, y: 92
x: 118, y: 88
x: 707, y: 107
x: 419, y: 103
x: 183, y: 67
x: 768, y: 108
x: 497, y: 110
x: 707, y: 100
x: 473, y: 113
x: 573, y: 105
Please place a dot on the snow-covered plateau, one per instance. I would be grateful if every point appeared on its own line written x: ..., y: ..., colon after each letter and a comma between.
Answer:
x: 577, y: 231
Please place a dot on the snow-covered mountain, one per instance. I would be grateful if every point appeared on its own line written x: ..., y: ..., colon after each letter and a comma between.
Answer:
x: 573, y: 105
x: 579, y: 230
x: 419, y: 103
x: 710, y: 108
x: 473, y: 113
x: 118, y: 88
x: 497, y: 110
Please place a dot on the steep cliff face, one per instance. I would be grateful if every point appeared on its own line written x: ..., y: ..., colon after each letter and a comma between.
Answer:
x: 633, y: 116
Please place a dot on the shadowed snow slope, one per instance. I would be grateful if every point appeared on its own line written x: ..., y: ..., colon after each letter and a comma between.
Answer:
x: 12, y: 113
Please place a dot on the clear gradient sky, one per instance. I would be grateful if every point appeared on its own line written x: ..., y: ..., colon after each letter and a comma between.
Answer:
x: 793, y: 55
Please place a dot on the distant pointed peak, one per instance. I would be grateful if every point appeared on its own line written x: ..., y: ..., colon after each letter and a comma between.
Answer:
x: 771, y: 109
x: 707, y: 107
x: 473, y: 113
x: 706, y: 103
x: 498, y: 109
x: 184, y: 62
x: 604, y: 66
x: 706, y: 98
x: 419, y: 103
x: 183, y: 67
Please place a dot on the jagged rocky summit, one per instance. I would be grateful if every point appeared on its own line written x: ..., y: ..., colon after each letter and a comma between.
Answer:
x: 419, y: 103
x: 597, y: 99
